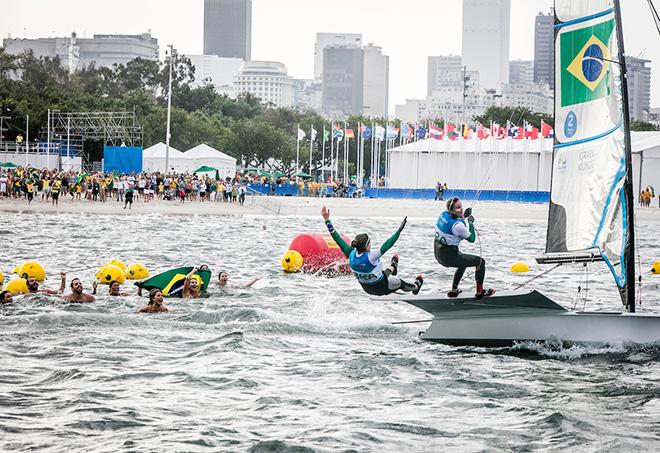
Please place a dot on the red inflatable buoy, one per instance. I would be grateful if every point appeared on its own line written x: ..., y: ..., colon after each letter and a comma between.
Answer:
x: 319, y: 252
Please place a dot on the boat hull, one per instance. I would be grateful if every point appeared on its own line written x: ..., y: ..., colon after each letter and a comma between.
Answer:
x: 529, y: 316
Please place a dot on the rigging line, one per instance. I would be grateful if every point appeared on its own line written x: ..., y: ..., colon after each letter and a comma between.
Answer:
x: 586, y: 286
x: 547, y: 271
x: 639, y: 262
x: 654, y: 13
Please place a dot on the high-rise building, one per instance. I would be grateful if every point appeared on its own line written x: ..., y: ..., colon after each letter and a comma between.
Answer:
x: 324, y: 40
x: 544, y: 49
x: 228, y: 28
x: 639, y: 88
x: 444, y: 71
x: 217, y: 71
x: 486, y: 40
x: 267, y: 80
x: 343, y: 81
x: 76, y: 53
x: 376, y: 81
x: 521, y: 72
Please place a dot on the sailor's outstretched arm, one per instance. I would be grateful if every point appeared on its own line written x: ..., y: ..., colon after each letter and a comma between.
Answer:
x: 345, y: 248
x: 186, y: 281
x: 392, y: 240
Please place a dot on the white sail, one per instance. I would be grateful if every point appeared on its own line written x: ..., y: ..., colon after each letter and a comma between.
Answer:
x: 589, y: 164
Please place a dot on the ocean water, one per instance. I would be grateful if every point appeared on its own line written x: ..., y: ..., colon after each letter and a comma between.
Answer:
x: 302, y: 363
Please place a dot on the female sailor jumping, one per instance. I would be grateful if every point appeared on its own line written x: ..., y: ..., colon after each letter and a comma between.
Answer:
x: 452, y: 227
x: 366, y: 265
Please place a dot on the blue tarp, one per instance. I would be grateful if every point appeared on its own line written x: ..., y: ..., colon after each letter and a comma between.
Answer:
x: 428, y: 194
x: 123, y: 159
x: 464, y: 194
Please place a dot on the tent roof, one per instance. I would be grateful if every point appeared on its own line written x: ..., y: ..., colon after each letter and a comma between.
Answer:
x: 641, y: 141
x: 206, y: 151
x: 158, y: 150
x: 204, y: 169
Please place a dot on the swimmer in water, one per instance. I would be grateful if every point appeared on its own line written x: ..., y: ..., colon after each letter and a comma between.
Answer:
x: 77, y: 294
x: 155, y: 304
x: 366, y: 265
x: 33, y: 285
x: 191, y: 286
x: 6, y: 297
x: 113, y: 290
x: 223, y: 279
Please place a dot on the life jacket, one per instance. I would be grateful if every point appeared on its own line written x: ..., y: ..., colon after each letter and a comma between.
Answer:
x: 444, y: 229
x: 364, y: 270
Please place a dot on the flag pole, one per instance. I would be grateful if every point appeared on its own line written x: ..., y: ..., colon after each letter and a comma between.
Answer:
x: 297, y: 146
x: 332, y: 151
x: 358, y: 171
x: 311, y: 142
x: 47, y: 141
x: 323, y: 156
x: 371, y: 156
x: 345, y: 153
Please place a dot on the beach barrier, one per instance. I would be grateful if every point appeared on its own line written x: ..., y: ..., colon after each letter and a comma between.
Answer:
x: 463, y: 194
x: 518, y: 196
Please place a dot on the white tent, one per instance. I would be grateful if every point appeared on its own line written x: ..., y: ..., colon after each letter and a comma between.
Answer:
x: 203, y: 154
x: 501, y: 164
x: 153, y: 159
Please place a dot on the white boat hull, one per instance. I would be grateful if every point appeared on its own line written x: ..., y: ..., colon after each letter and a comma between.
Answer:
x: 529, y: 316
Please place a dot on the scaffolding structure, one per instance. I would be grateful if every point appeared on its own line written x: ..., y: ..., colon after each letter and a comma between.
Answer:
x: 66, y: 132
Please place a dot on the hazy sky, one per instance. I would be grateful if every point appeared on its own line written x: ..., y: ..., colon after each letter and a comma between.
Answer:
x: 284, y: 30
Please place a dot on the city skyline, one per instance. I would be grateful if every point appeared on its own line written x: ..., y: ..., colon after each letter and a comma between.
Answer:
x: 285, y: 31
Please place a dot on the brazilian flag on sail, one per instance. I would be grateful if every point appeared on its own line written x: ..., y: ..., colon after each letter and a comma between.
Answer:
x: 585, y: 71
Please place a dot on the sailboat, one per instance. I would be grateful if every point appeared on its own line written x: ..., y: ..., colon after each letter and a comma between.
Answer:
x: 591, y: 209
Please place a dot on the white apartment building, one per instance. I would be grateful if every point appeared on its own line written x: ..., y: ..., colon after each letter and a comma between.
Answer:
x: 267, y: 80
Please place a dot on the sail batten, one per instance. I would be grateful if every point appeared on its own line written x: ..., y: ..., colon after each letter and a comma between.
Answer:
x: 587, y: 214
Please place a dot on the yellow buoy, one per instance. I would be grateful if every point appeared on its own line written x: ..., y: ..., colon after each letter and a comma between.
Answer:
x: 136, y: 271
x: 655, y: 269
x: 519, y: 267
x: 32, y: 269
x: 17, y: 286
x: 118, y: 263
x: 109, y: 273
x: 292, y: 261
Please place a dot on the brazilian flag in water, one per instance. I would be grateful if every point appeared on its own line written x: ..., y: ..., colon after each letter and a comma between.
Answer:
x: 585, y: 71
x: 171, y: 282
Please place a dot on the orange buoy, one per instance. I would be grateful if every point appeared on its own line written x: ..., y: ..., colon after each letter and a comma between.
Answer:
x: 319, y: 252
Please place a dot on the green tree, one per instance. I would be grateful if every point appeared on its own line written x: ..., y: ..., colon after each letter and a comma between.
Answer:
x: 515, y: 115
x: 643, y: 126
x: 259, y: 143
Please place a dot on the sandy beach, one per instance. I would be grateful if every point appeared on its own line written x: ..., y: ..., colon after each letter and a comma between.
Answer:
x: 292, y: 206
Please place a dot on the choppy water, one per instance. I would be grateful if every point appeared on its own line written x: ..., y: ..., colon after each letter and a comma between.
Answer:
x: 303, y: 363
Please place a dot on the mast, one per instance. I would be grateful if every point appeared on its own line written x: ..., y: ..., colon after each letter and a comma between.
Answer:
x: 627, y: 293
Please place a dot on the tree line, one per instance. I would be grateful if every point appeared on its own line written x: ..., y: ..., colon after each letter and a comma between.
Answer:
x: 243, y: 127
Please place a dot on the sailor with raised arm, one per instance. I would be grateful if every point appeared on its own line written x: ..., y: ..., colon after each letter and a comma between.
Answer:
x: 452, y: 227
x: 366, y: 265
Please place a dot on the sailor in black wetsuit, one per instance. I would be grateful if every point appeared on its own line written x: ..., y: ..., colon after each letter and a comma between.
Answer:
x: 451, y: 228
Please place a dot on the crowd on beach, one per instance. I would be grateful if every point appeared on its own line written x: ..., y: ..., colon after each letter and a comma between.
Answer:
x: 52, y: 185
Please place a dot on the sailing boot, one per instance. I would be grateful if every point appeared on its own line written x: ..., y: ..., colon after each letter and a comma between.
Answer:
x: 454, y: 293
x: 419, y: 281
x: 484, y: 293
x: 394, y: 264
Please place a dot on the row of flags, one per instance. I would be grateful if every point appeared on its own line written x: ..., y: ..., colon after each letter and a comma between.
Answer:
x: 448, y: 130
